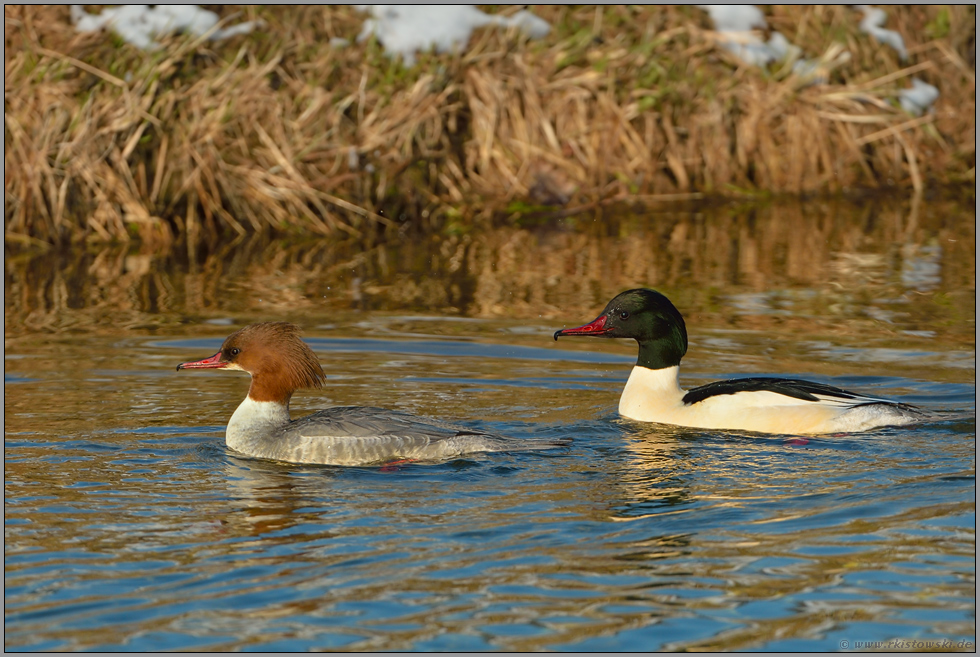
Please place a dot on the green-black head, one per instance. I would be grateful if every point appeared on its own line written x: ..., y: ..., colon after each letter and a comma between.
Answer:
x: 649, y: 318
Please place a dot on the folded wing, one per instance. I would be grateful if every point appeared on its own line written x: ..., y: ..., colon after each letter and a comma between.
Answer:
x: 351, y: 435
x: 794, y: 390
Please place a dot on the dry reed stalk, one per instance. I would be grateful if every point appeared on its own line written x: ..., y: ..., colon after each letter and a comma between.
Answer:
x: 283, y: 132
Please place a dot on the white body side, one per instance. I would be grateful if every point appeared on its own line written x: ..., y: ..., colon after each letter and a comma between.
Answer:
x: 656, y: 396
x: 356, y: 436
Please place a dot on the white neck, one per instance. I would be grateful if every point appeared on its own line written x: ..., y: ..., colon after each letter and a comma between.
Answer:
x: 253, y: 423
x: 652, y: 395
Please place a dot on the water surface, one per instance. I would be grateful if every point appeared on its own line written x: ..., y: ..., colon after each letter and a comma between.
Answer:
x: 130, y: 526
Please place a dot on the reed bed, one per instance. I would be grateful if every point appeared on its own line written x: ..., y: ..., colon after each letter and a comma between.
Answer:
x: 280, y: 131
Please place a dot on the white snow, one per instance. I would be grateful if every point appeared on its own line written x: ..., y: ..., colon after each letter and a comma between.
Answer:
x: 736, y: 22
x: 919, y: 98
x: 735, y: 18
x: 405, y: 29
x: 139, y: 24
x: 872, y: 23
x: 810, y: 71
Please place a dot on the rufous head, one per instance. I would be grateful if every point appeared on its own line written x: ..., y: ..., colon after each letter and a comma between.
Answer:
x: 273, y: 353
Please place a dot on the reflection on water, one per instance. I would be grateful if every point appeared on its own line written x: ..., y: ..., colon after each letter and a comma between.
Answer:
x: 130, y: 526
x: 895, y: 264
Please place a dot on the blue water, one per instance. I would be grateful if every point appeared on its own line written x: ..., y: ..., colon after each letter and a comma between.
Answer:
x: 130, y: 526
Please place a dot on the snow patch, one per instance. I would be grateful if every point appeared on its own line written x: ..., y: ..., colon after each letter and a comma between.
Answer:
x: 405, y: 29
x: 139, y: 24
x: 736, y: 22
x: 872, y: 23
x: 919, y: 98
x: 736, y: 18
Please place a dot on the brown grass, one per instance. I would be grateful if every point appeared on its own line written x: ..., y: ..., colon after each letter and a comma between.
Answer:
x: 104, y: 142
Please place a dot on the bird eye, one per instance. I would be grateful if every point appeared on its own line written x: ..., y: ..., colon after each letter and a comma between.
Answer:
x: 235, y: 351
x: 624, y: 315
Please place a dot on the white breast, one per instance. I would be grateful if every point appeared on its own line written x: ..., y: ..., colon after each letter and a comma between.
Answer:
x: 253, y: 423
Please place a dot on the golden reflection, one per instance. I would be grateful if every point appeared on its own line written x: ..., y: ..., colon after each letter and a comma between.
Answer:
x: 652, y: 484
x: 846, y: 256
x: 264, y: 497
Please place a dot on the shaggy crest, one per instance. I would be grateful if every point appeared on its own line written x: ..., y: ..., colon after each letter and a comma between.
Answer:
x: 278, y: 360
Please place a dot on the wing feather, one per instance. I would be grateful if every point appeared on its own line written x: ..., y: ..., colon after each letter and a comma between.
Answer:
x: 364, y: 434
x: 797, y: 389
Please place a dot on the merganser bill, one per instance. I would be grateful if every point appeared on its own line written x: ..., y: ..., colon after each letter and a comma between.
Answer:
x: 767, y: 405
x: 281, y: 363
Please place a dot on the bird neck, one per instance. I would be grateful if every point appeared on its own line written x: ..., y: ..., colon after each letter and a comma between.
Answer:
x: 663, y: 352
x: 255, y: 421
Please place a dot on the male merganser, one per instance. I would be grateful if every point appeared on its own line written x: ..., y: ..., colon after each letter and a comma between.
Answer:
x: 768, y: 405
x: 281, y: 363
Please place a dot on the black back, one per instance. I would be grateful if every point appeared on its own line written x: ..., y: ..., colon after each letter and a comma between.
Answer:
x: 796, y: 388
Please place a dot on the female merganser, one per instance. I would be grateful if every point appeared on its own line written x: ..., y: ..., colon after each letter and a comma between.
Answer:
x: 281, y: 363
x: 768, y: 405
